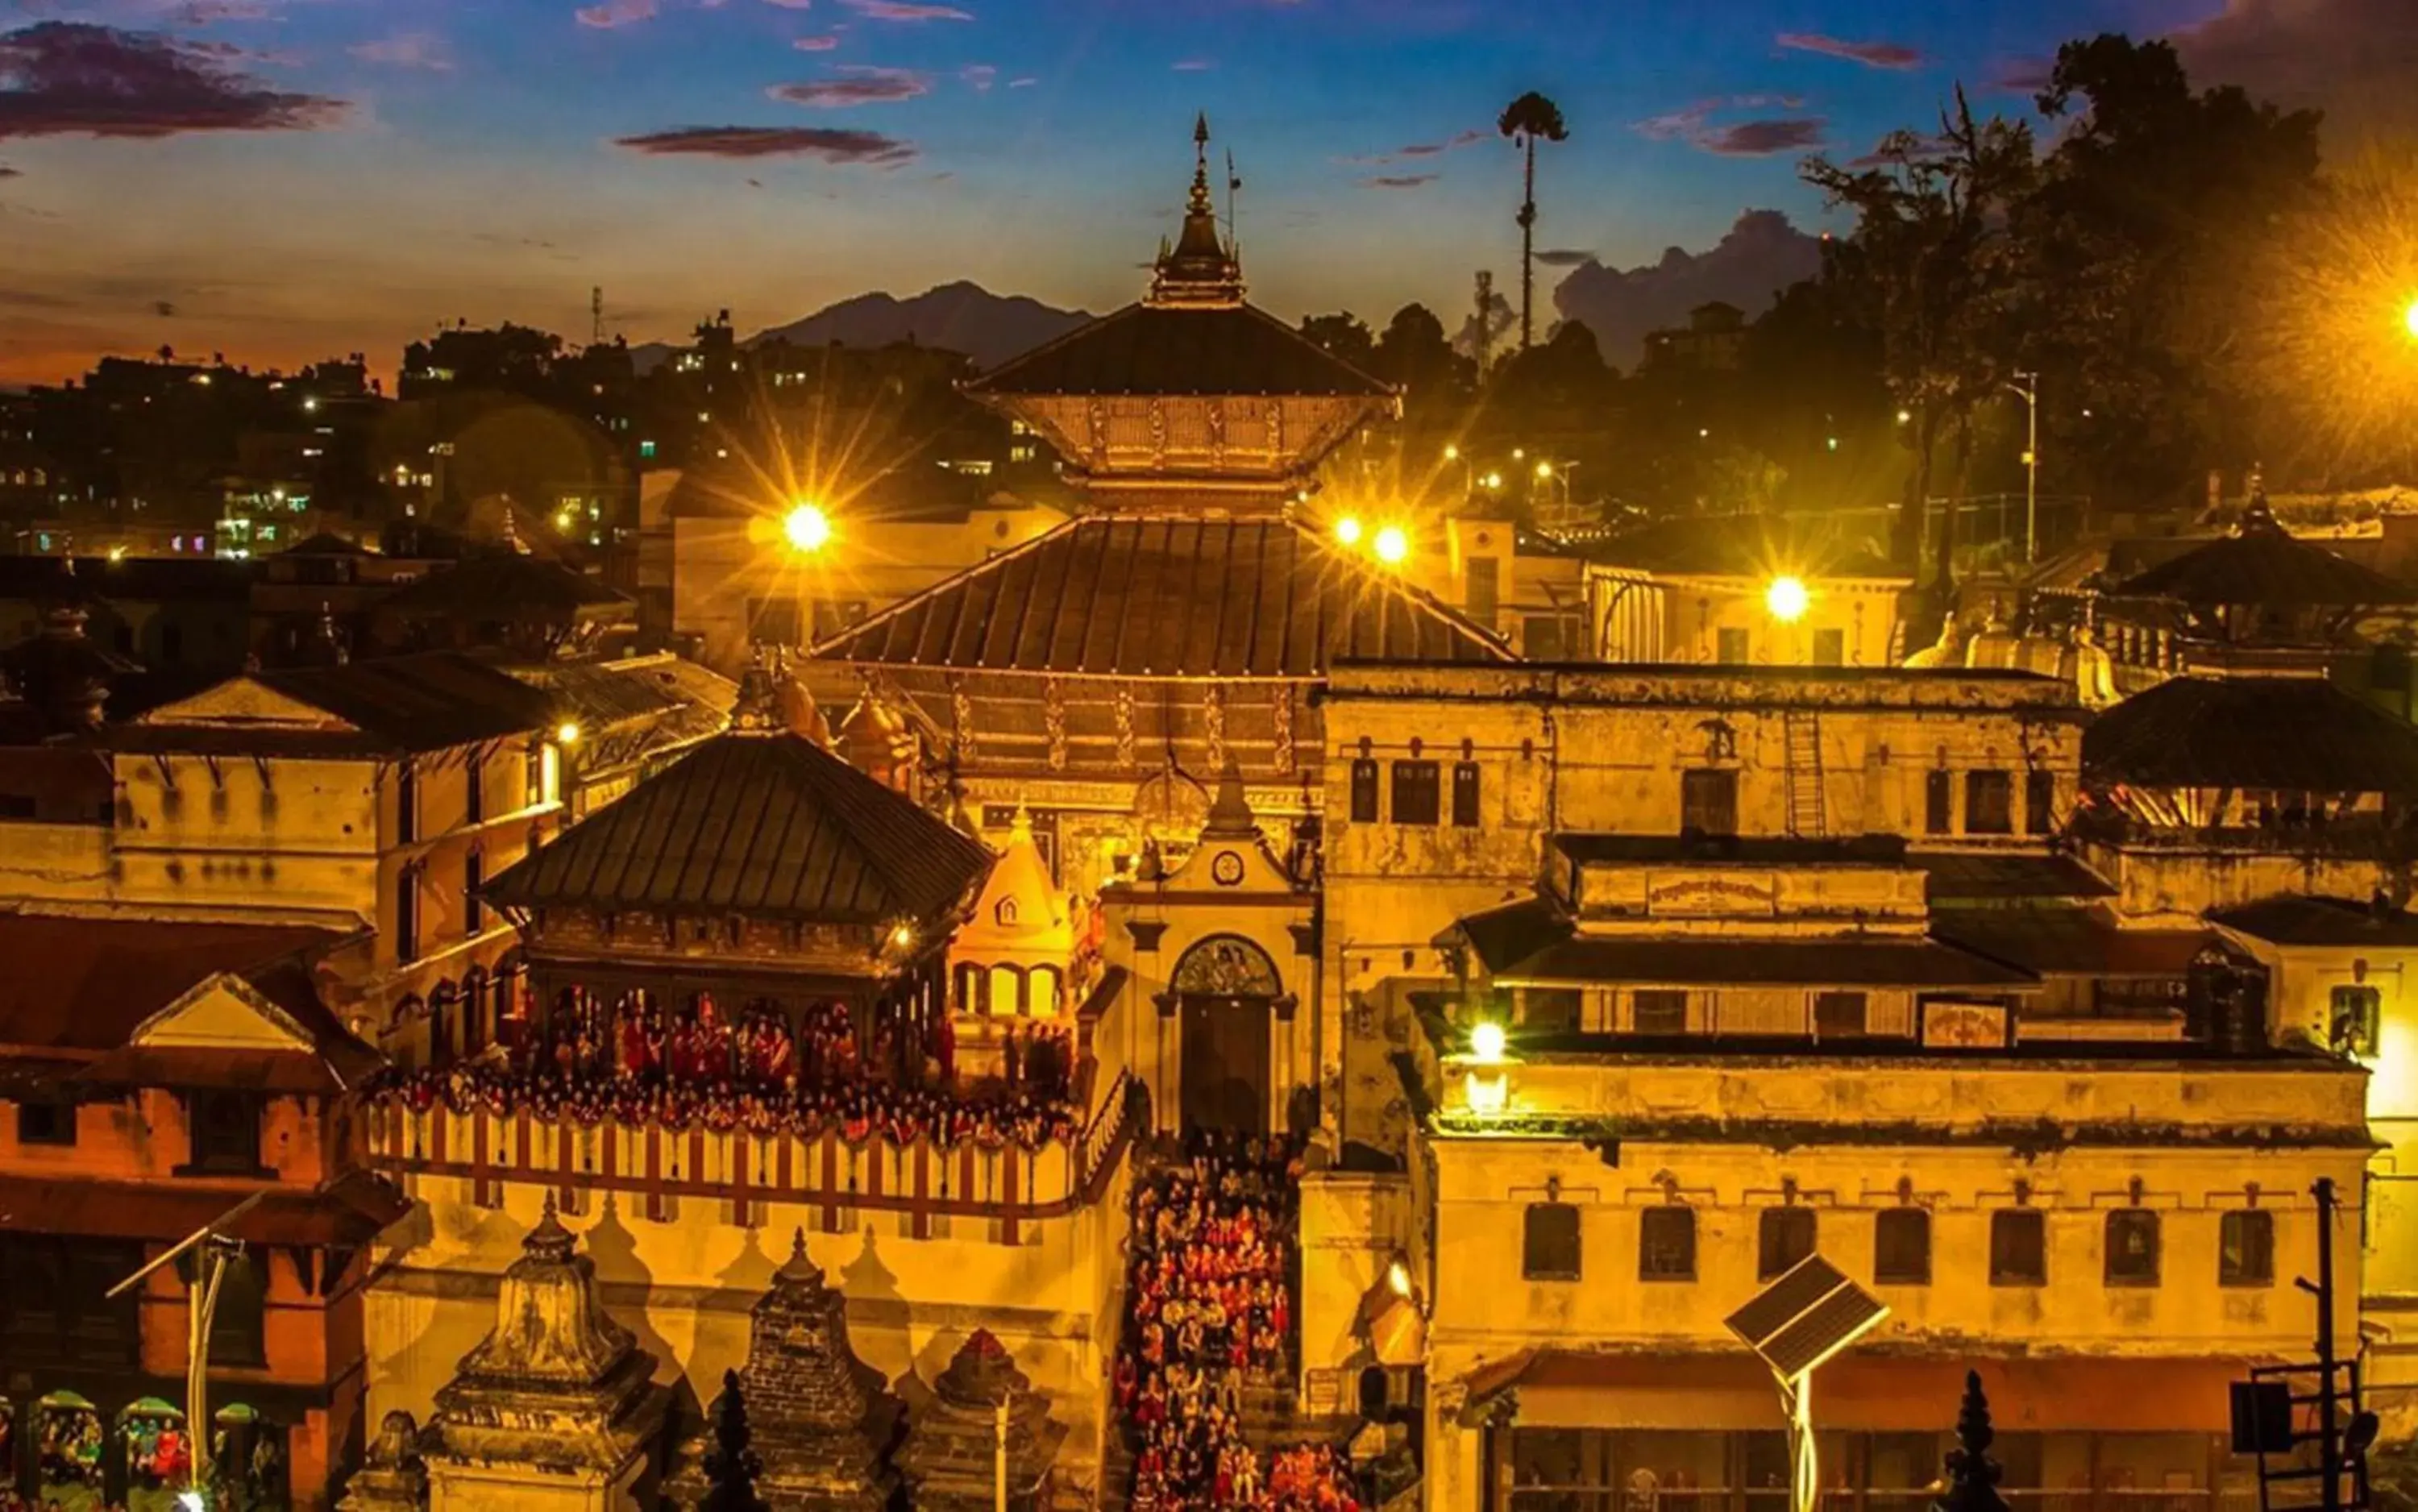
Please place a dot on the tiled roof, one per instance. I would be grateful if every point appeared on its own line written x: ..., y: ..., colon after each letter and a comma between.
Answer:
x: 78, y: 984
x: 2296, y: 734
x: 350, y: 1210
x: 2322, y: 921
x: 501, y: 585
x: 1165, y: 598
x: 627, y: 710
x: 757, y: 825
x: 402, y: 704
x: 2265, y: 565
x: 1177, y: 350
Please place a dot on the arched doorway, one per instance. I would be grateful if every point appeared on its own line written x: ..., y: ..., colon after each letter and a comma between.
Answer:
x: 1225, y: 987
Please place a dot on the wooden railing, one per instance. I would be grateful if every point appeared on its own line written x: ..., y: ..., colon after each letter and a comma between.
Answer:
x: 1006, y: 1185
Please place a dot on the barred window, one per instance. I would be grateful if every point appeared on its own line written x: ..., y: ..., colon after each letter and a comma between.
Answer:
x: 1666, y: 1244
x: 1549, y: 1249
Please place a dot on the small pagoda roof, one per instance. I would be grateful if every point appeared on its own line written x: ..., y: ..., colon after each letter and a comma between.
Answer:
x: 1179, y: 350
x: 391, y: 706
x: 506, y: 584
x: 2264, y: 563
x: 1131, y: 596
x: 2292, y: 734
x: 765, y: 826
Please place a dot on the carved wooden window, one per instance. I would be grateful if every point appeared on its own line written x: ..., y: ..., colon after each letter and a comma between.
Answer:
x: 1731, y: 647
x: 1464, y: 795
x: 1708, y: 802
x: 1364, y: 791
x: 1829, y: 647
x: 1840, y: 1015
x: 1417, y: 796
x: 1658, y: 1011
x: 1989, y: 803
x: 1549, y: 1249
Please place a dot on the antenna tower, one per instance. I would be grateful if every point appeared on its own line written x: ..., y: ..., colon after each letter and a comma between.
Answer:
x: 596, y: 316
x: 1485, y: 343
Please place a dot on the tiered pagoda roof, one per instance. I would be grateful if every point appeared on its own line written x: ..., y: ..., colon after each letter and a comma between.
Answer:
x: 765, y: 826
x: 1119, y: 596
x: 2289, y: 734
x: 2262, y: 563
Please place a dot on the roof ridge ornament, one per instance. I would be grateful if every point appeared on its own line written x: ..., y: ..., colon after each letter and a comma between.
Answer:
x: 1201, y: 273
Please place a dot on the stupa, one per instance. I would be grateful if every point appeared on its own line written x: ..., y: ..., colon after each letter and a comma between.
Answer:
x: 557, y: 1407
x: 951, y: 1455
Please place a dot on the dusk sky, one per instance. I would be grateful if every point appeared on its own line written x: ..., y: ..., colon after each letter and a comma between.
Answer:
x: 287, y: 179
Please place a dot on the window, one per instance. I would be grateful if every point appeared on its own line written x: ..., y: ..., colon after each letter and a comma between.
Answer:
x: 474, y: 912
x: 1829, y: 647
x: 2246, y: 1254
x: 226, y: 1129
x: 1666, y: 1244
x: 46, y: 1119
x: 1417, y: 798
x: 1783, y: 1236
x: 1658, y: 1011
x: 1464, y: 795
x: 1548, y: 1246
x: 1730, y: 647
x: 2018, y: 1247
x: 1552, y: 1010
x: 532, y: 768
x: 406, y: 915
x: 1485, y: 589
x: 2040, y: 802
x: 1540, y: 637
x: 1989, y: 804
x: 776, y: 621
x: 1902, y: 1247
x: 2132, y: 1247
x: 1939, y: 803
x: 1708, y: 802
x: 406, y: 804
x: 1838, y: 1015
x: 1364, y: 791
x: 2355, y: 1020
x: 474, y: 790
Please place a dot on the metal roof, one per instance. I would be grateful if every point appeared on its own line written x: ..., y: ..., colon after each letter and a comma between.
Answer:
x: 78, y: 984
x: 759, y: 825
x: 2072, y: 941
x: 1179, y: 350
x: 2000, y: 875
x: 1127, y: 597
x: 2292, y: 734
x: 2322, y: 921
x: 2265, y: 564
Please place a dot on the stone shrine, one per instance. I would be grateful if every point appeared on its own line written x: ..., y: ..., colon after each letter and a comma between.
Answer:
x: 821, y: 1420
x: 951, y: 1443
x: 556, y: 1408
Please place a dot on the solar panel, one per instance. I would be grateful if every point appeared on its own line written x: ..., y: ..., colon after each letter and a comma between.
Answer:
x: 1809, y: 1314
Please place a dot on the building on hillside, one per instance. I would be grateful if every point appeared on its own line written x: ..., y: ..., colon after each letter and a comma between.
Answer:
x: 1712, y: 341
x: 1525, y: 588
x: 1106, y: 673
x: 153, y: 1076
x: 175, y: 618
x: 1786, y: 961
x: 1744, y: 590
x: 526, y: 608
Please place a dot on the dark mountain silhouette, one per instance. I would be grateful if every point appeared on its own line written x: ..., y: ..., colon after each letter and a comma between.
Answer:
x: 960, y: 317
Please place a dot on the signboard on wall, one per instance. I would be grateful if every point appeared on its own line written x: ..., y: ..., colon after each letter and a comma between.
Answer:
x: 1965, y: 1026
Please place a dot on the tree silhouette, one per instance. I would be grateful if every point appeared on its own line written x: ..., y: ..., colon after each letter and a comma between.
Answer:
x: 1524, y: 120
x: 731, y: 1466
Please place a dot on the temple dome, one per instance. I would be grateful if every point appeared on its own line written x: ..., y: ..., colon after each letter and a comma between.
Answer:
x: 549, y: 1325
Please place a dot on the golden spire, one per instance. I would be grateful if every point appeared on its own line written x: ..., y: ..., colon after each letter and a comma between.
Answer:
x: 1200, y: 270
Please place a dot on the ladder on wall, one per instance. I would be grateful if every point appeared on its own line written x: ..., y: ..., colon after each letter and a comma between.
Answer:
x: 1803, y: 731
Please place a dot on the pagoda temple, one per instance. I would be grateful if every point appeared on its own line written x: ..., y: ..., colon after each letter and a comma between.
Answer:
x: 1104, y: 673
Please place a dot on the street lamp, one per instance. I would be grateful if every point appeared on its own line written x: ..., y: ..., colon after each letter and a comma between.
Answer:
x: 214, y: 1250
x: 808, y: 528
x: 1347, y: 529
x: 2409, y: 318
x: 1393, y: 545
x: 2027, y: 386
x: 1452, y: 452
x: 1788, y: 600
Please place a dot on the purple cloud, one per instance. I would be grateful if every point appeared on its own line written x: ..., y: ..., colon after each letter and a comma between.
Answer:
x: 1564, y: 257
x: 793, y: 5
x: 7, y: 172
x: 210, y: 12
x: 908, y: 10
x: 979, y: 76
x: 1761, y: 254
x: 1417, y: 150
x: 2020, y: 76
x: 823, y: 43
x: 1891, y: 55
x: 1193, y: 65
x: 607, y: 14
x: 1025, y: 82
x: 407, y: 50
x: 829, y: 143
x: 1761, y: 139
x: 62, y: 78
x: 1398, y: 180
x: 858, y: 84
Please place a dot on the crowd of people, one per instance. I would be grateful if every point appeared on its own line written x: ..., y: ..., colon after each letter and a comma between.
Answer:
x: 890, y: 1074
x: 1209, y: 1289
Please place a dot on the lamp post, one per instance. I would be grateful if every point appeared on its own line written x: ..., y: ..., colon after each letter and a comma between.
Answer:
x: 2026, y: 386
x: 215, y: 1251
x: 1452, y: 452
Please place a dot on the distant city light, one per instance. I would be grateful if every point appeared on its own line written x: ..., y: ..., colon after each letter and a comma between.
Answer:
x: 1786, y: 599
x: 1492, y: 480
x: 1393, y: 545
x: 807, y: 528
x: 1487, y: 1042
x: 566, y: 733
x: 1904, y: 416
x: 1452, y: 452
x: 1347, y: 529
x: 1545, y: 470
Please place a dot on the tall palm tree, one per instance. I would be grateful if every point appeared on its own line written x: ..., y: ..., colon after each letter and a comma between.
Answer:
x: 1524, y: 120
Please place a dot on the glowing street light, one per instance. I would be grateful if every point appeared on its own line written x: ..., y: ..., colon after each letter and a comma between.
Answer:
x: 1487, y: 1042
x: 1788, y: 600
x: 1544, y: 472
x: 1494, y: 481
x: 2409, y: 319
x: 566, y: 733
x: 1452, y: 452
x: 1393, y: 545
x: 1347, y: 529
x: 808, y: 528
